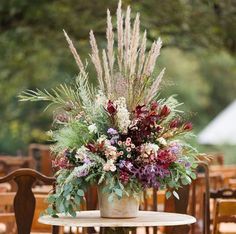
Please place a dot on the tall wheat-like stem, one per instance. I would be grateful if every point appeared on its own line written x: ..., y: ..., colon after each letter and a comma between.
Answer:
x: 154, y: 56
x: 96, y: 61
x: 134, y: 44
x: 110, y: 42
x: 120, y: 36
x: 135, y: 64
x: 127, y: 37
x: 151, y: 93
x: 142, y: 51
x: 75, y: 54
x: 107, y: 74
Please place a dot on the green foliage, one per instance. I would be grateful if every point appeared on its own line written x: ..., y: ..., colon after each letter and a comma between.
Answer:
x: 73, y: 135
x: 219, y: 72
x: 62, y: 96
x: 69, y: 194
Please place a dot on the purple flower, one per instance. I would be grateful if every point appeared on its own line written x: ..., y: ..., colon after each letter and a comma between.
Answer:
x: 114, y: 139
x: 86, y: 160
x: 148, y: 175
x: 112, y: 131
x: 126, y: 165
x: 82, y: 173
x: 187, y: 164
x: 175, y: 148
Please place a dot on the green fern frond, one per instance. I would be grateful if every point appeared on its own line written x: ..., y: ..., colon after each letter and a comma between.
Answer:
x: 60, y: 96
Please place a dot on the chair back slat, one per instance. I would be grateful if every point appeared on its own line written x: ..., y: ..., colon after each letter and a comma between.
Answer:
x: 225, y: 212
x: 24, y: 201
x: 223, y: 193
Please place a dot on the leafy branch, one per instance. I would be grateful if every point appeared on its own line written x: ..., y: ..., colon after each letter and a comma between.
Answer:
x: 62, y: 96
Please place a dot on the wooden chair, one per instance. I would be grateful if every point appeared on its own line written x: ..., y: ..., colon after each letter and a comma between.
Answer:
x: 225, y: 212
x: 227, y: 171
x: 7, y: 217
x: 223, y: 193
x: 24, y: 200
x: 190, y: 196
x: 40, y: 206
x: 41, y: 157
x: 232, y: 183
x: 220, y: 194
x: 4, y: 168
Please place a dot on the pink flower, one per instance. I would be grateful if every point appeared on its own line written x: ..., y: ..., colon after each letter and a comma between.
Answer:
x: 128, y: 149
x: 128, y: 139
x: 132, y: 146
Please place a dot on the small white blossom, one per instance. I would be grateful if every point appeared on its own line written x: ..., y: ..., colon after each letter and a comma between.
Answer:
x: 101, y: 139
x: 151, y: 147
x: 113, y: 168
x: 122, y: 114
x: 162, y: 141
x: 81, y: 153
x: 92, y: 128
x: 109, y: 166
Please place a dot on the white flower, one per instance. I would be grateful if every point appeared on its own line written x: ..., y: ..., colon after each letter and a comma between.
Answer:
x: 149, y: 147
x: 122, y: 114
x: 149, y: 150
x: 109, y: 166
x: 81, y: 153
x: 162, y: 141
x: 102, y: 138
x: 113, y: 168
x: 92, y: 128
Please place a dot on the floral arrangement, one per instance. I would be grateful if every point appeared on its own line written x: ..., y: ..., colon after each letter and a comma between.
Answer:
x: 120, y: 134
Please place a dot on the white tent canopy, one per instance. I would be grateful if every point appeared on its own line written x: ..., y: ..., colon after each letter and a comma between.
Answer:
x: 222, y: 129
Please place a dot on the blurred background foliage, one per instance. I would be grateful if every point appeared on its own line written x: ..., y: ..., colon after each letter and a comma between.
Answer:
x: 199, y: 53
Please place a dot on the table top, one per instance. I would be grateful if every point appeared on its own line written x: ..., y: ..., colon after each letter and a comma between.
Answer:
x: 145, y: 219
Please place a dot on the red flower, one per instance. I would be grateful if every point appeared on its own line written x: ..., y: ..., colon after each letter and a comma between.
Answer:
x: 60, y: 163
x: 174, y: 123
x: 154, y: 106
x: 111, y: 108
x: 188, y: 126
x: 165, y: 111
x: 91, y: 147
x: 166, y: 157
x: 141, y: 111
x: 124, y: 177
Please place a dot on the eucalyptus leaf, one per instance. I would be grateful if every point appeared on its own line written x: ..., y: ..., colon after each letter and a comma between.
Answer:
x: 80, y: 192
x: 168, y: 195
x: 176, y: 194
x: 118, y: 192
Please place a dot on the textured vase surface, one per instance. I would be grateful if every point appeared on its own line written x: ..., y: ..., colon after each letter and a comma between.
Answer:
x: 126, y: 207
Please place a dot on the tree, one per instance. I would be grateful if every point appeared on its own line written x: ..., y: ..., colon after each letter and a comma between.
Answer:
x: 34, y: 51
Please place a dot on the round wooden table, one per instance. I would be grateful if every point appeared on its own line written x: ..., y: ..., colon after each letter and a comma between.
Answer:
x: 144, y: 219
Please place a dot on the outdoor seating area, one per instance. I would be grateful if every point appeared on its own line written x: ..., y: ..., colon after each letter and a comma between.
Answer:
x: 211, y: 198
